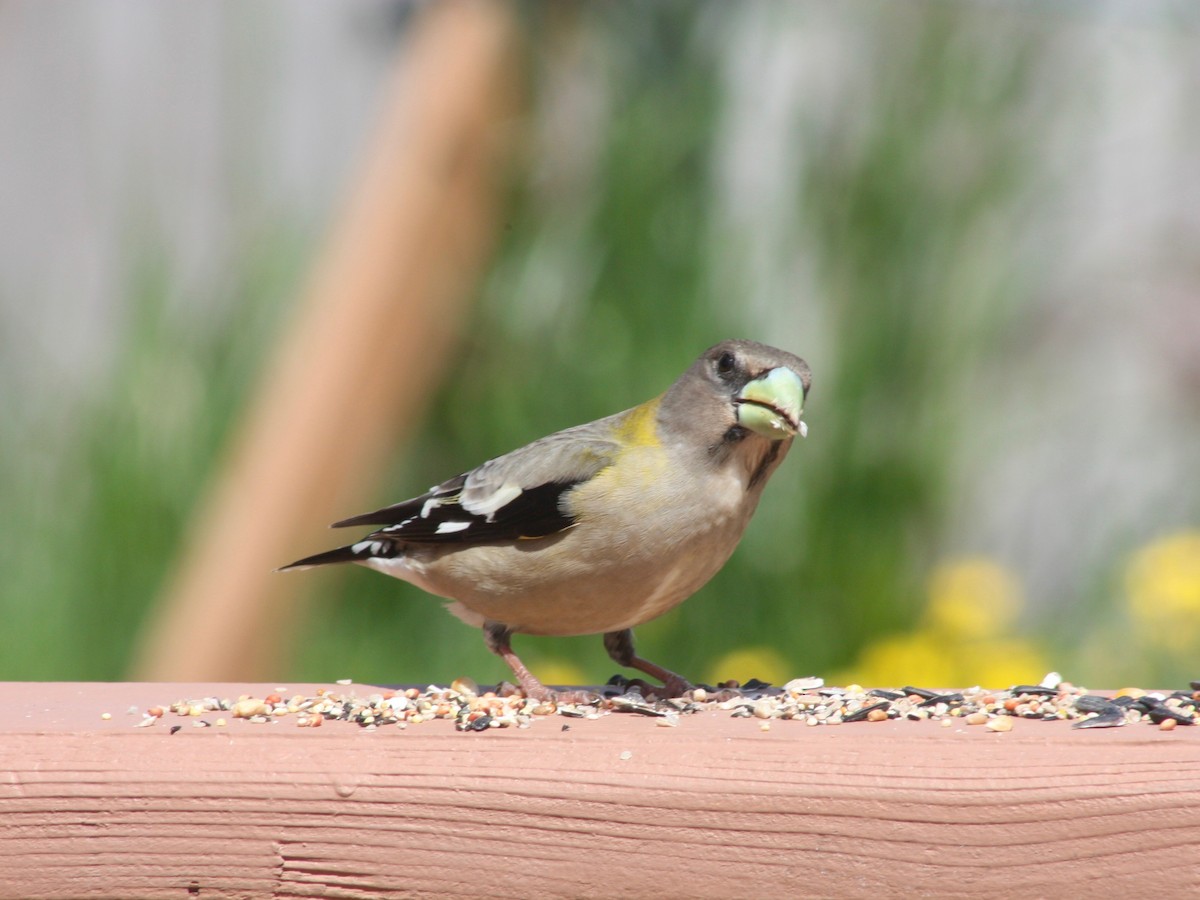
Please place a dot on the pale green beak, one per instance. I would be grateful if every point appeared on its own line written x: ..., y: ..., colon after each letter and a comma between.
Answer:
x: 771, y: 405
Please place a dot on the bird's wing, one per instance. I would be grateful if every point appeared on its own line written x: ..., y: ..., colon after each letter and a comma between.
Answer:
x: 507, y: 498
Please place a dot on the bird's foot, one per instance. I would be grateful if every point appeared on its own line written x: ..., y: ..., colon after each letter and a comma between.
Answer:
x: 535, y: 690
x: 676, y: 686
x: 578, y: 697
x: 672, y: 686
x: 619, y: 645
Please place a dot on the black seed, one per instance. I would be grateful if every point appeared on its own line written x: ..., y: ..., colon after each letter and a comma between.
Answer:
x: 949, y: 699
x: 859, y: 714
x: 630, y: 703
x: 1147, y: 704
x: 1112, y: 718
x: 566, y: 728
x: 755, y: 685
x: 175, y: 728
x: 920, y: 692
x: 1035, y: 690
x: 480, y: 724
x: 1161, y: 713
x: 885, y: 695
x: 1095, y: 703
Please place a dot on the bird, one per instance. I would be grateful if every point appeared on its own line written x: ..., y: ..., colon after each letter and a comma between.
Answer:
x: 602, y: 527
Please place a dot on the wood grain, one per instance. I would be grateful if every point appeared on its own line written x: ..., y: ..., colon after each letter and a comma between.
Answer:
x: 614, y: 807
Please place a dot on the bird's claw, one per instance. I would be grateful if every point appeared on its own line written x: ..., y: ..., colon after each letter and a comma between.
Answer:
x: 535, y: 690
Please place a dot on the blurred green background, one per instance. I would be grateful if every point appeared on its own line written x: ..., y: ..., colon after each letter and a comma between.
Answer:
x: 979, y: 223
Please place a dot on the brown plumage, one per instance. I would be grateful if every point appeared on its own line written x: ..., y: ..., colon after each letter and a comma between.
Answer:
x: 604, y: 526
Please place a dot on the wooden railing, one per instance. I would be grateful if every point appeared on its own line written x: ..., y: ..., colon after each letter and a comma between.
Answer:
x: 615, y: 806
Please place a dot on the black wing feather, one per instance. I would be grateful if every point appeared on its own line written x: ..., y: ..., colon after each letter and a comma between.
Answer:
x: 535, y: 512
x: 406, y: 509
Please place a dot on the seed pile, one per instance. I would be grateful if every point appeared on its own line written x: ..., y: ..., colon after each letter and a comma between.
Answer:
x: 1052, y: 700
x: 803, y: 700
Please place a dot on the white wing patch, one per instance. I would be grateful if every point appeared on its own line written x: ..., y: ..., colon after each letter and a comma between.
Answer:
x: 452, y: 527
x: 493, y: 502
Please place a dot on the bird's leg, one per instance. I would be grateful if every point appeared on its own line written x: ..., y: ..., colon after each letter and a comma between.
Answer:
x: 619, y: 645
x: 498, y: 639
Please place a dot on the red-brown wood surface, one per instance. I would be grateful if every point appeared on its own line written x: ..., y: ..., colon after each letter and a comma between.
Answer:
x: 613, y: 807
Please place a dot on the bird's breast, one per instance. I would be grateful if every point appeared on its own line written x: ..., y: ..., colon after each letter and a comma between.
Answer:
x: 608, y: 572
x: 644, y: 539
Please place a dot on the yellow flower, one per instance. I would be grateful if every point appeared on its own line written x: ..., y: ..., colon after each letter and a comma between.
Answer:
x: 925, y: 659
x: 962, y: 639
x: 1163, y: 586
x: 1001, y: 662
x: 745, y: 663
x: 972, y: 598
x: 560, y: 671
x: 917, y: 658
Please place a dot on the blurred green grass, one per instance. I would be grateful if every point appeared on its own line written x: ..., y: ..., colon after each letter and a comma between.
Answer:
x: 602, y: 291
x: 107, y: 482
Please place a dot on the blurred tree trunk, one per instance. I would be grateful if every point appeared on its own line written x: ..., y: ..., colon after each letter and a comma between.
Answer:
x: 354, y: 370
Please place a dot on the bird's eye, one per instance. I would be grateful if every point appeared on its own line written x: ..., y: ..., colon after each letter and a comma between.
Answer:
x: 725, y: 363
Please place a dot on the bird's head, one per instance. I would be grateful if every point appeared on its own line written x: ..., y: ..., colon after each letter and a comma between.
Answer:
x: 737, y: 390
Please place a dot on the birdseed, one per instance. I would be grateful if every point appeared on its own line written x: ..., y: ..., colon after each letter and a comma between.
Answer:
x: 807, y: 701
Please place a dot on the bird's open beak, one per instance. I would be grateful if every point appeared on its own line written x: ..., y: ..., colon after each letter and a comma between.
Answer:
x: 771, y: 404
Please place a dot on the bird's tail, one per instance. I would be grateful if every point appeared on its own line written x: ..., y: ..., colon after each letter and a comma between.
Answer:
x: 350, y: 553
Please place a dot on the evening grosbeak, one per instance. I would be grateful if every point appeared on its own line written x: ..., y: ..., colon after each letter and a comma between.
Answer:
x: 603, y: 526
